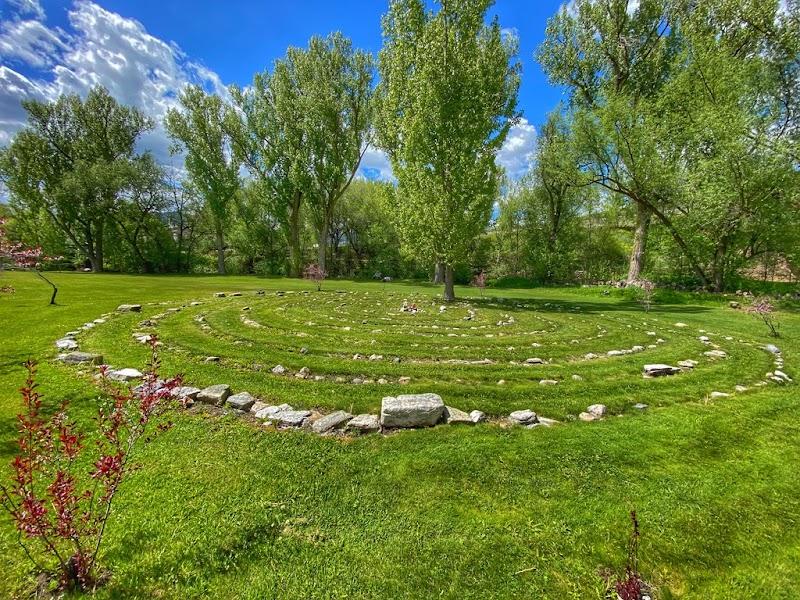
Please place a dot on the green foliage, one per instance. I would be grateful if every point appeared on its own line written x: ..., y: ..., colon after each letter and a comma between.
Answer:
x: 76, y: 163
x: 446, y: 100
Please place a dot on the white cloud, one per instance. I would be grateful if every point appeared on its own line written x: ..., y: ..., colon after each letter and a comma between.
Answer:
x: 517, y: 152
x: 101, y: 48
x: 27, y: 8
x: 375, y: 165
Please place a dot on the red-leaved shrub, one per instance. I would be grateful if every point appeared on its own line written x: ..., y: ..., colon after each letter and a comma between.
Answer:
x: 63, y: 481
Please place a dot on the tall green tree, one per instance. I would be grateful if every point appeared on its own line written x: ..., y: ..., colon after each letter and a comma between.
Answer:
x: 197, y: 128
x: 335, y: 89
x: 74, y: 162
x: 270, y: 140
x: 446, y: 100
x: 614, y: 56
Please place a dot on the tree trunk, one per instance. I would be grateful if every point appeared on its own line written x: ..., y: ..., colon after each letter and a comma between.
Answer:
x: 639, y: 250
x: 323, y: 246
x: 718, y: 267
x: 220, y: 247
x: 438, y: 274
x: 449, y: 291
x: 295, y: 256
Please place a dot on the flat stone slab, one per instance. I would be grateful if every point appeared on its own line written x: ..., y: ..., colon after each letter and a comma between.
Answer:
x: 241, y: 401
x: 454, y: 416
x: 292, y: 418
x: 331, y: 421
x: 125, y: 374
x: 716, y: 354
x: 364, y: 424
x: 215, y: 394
x: 660, y: 370
x: 411, y: 410
x: 77, y: 358
x: 129, y: 308
x: 534, y: 361
x: 66, y: 344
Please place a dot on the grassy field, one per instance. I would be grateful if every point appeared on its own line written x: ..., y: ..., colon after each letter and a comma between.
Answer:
x: 223, y: 509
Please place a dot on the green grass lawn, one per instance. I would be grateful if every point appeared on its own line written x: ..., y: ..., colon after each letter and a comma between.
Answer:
x: 223, y: 509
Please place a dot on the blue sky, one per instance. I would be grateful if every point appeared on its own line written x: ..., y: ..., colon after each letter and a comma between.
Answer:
x: 145, y: 50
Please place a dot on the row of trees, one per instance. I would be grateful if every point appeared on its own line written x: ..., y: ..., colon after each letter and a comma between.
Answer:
x: 676, y: 154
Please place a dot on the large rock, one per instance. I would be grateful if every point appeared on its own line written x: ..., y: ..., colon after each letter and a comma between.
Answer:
x: 454, y: 416
x: 125, y: 374
x: 660, y: 370
x: 76, y: 358
x: 411, y: 410
x: 215, y: 394
x: 364, y: 424
x: 129, y: 308
x: 331, y: 421
x: 241, y: 401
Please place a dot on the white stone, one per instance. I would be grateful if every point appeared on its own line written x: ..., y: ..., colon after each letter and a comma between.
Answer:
x: 278, y: 370
x: 411, y: 410
x: 125, y: 375
x: 598, y: 410
x: 364, y: 424
x: 477, y: 416
x: 66, y: 344
x: 331, y: 421
x: 454, y: 416
x: 523, y: 417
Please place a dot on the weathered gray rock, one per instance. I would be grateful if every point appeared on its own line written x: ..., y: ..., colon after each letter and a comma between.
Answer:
x: 124, y: 374
x: 523, y: 417
x: 585, y: 416
x: 640, y: 406
x: 186, y: 392
x: 404, y: 380
x: 129, y: 308
x: 214, y: 394
x: 278, y: 370
x: 548, y: 382
x: 303, y: 373
x: 477, y: 416
x: 687, y: 364
x: 598, y: 410
x: 364, y: 424
x: 545, y: 422
x: 534, y: 361
x: 577, y: 377
x: 241, y: 401
x: 66, y: 344
x: 715, y: 395
x: 454, y: 416
x: 740, y: 388
x: 76, y: 358
x: 292, y: 418
x: 716, y: 354
x: 212, y: 359
x: 331, y: 421
x: 411, y: 410
x: 615, y: 353
x: 772, y: 348
x: 660, y: 370
x: 219, y: 294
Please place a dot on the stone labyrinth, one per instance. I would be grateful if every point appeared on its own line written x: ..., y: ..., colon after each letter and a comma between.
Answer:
x: 368, y: 361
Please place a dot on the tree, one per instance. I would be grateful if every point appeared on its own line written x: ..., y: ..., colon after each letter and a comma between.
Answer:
x: 335, y: 87
x: 20, y: 256
x: 198, y: 130
x: 614, y: 56
x: 269, y: 140
x: 445, y: 103
x: 73, y: 161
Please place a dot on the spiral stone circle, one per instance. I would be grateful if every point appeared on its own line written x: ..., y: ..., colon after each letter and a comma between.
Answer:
x: 423, y: 362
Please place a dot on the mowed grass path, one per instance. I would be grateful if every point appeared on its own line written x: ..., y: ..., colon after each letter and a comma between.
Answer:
x: 221, y: 509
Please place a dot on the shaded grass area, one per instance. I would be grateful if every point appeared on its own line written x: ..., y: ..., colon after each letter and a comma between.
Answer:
x: 221, y: 509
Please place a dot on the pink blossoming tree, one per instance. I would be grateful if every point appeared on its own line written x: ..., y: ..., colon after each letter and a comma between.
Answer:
x: 19, y: 256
